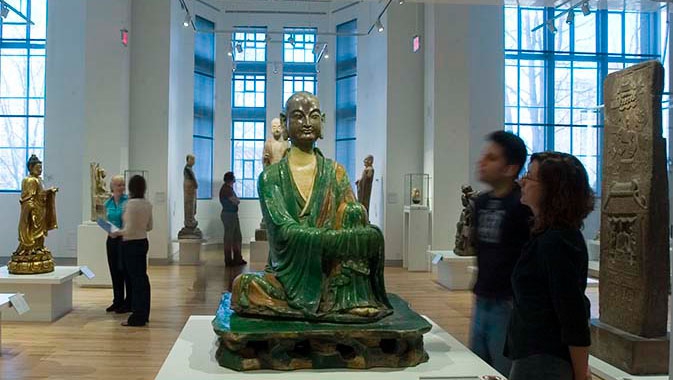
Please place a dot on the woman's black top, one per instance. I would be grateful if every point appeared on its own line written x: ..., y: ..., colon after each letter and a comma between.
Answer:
x: 550, y: 311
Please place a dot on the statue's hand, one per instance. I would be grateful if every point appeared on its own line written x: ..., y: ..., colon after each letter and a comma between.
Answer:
x: 53, y: 189
x: 351, y: 215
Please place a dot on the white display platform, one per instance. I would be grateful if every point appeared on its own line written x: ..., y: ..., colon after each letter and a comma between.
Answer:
x: 416, y: 238
x: 259, y: 251
x: 91, y: 251
x: 607, y: 372
x: 454, y: 272
x: 4, y: 304
x: 190, y: 251
x: 594, y: 250
x: 193, y: 357
x: 49, y: 294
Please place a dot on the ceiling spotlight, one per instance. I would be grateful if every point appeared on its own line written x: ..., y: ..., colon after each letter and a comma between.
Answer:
x: 585, y: 8
x: 239, y: 48
x: 379, y: 25
x: 571, y: 17
x: 187, y: 21
x: 316, y: 49
x: 401, y: 2
x: 291, y: 40
x: 275, y: 68
x: 233, y: 67
x: 4, y: 11
x: 550, y: 26
x: 229, y: 52
x: 326, y: 53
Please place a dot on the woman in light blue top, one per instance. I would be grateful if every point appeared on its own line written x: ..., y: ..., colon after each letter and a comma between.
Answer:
x: 114, y: 208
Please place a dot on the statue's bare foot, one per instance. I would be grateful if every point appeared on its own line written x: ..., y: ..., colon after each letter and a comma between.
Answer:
x: 364, y: 311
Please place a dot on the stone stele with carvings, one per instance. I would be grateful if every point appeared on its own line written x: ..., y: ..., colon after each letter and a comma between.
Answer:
x: 99, y: 192
x: 463, y: 245
x: 321, y: 301
x: 634, y: 268
x: 37, y: 218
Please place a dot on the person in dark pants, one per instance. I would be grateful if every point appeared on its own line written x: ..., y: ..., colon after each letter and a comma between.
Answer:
x: 114, y: 207
x: 548, y: 336
x: 137, y: 221
x: 501, y: 228
x: 229, y: 216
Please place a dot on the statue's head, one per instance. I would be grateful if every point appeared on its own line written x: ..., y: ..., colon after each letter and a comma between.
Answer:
x: 276, y: 128
x: 191, y: 160
x: 303, y: 118
x: 369, y: 160
x: 34, y: 165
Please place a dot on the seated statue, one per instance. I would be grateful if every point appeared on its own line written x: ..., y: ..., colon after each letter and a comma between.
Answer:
x: 325, y: 259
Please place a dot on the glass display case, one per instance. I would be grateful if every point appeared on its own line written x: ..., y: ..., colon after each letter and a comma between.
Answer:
x: 416, y: 189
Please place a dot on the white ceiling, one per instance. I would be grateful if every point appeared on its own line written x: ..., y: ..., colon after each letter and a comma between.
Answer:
x: 327, y: 5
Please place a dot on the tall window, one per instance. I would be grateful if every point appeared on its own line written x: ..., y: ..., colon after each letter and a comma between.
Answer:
x: 300, y: 51
x: 346, y: 95
x: 248, y: 108
x: 22, y: 89
x: 553, y: 81
x: 204, y: 105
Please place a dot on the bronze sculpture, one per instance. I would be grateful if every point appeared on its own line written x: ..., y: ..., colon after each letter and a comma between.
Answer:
x: 190, y: 186
x: 364, y: 184
x: 99, y: 192
x: 463, y: 246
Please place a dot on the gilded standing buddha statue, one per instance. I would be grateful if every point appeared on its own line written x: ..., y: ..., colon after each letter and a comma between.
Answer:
x: 38, y: 216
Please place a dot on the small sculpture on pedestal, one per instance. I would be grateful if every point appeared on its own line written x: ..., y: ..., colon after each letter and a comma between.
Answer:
x: 464, y: 226
x: 99, y: 192
x: 191, y: 229
x: 38, y: 216
x: 364, y: 184
x: 416, y: 196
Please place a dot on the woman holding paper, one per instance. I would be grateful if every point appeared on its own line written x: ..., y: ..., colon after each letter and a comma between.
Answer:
x: 114, y: 207
x: 137, y: 221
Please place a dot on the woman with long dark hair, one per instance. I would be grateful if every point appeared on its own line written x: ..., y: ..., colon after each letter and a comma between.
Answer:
x: 548, y: 336
x: 137, y: 221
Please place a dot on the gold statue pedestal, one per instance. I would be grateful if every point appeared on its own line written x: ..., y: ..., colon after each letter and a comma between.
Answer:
x: 39, y: 261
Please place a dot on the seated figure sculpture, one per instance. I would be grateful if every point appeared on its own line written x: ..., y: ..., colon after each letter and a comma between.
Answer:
x: 325, y: 259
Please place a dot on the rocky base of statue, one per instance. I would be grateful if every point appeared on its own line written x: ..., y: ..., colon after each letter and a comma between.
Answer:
x: 630, y: 353
x: 34, y: 263
x: 247, y: 343
x: 190, y: 233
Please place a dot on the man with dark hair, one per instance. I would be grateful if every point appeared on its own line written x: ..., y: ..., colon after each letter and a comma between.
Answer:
x: 501, y: 227
x: 232, y: 228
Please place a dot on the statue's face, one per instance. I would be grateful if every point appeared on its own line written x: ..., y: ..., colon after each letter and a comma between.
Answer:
x: 369, y: 161
x: 304, y: 119
x: 191, y: 160
x: 276, y: 129
x: 36, y: 169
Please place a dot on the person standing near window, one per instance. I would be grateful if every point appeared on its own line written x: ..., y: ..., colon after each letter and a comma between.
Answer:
x: 137, y: 221
x: 114, y: 208
x: 501, y: 228
x: 549, y: 336
x: 232, y: 228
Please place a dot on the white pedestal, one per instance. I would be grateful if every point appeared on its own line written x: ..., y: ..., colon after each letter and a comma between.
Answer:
x: 49, y: 294
x: 4, y: 304
x: 415, y: 238
x: 193, y: 357
x: 594, y: 249
x: 607, y: 372
x: 91, y: 251
x: 453, y: 271
x: 259, y: 251
x: 190, y: 251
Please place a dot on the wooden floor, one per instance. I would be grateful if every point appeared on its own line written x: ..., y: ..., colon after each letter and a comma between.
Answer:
x: 89, y: 343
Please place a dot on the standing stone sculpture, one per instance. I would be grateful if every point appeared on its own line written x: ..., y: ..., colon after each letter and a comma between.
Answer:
x: 634, y: 268
x: 99, y: 191
x: 191, y: 229
x: 38, y: 217
x: 276, y: 146
x: 325, y: 266
x: 364, y: 184
x: 463, y: 246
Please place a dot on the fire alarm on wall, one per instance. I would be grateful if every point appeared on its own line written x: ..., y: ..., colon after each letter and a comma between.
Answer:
x: 125, y: 37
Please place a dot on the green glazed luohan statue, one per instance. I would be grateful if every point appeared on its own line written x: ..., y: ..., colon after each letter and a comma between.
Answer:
x: 325, y: 259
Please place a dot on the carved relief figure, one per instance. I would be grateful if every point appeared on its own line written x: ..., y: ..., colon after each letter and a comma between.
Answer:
x: 38, y: 216
x: 364, y: 184
x: 463, y: 246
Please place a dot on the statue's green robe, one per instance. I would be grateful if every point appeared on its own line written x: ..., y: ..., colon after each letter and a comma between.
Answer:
x: 322, y: 251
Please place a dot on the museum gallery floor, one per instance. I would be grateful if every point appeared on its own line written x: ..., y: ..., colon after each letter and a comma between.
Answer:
x: 90, y: 344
